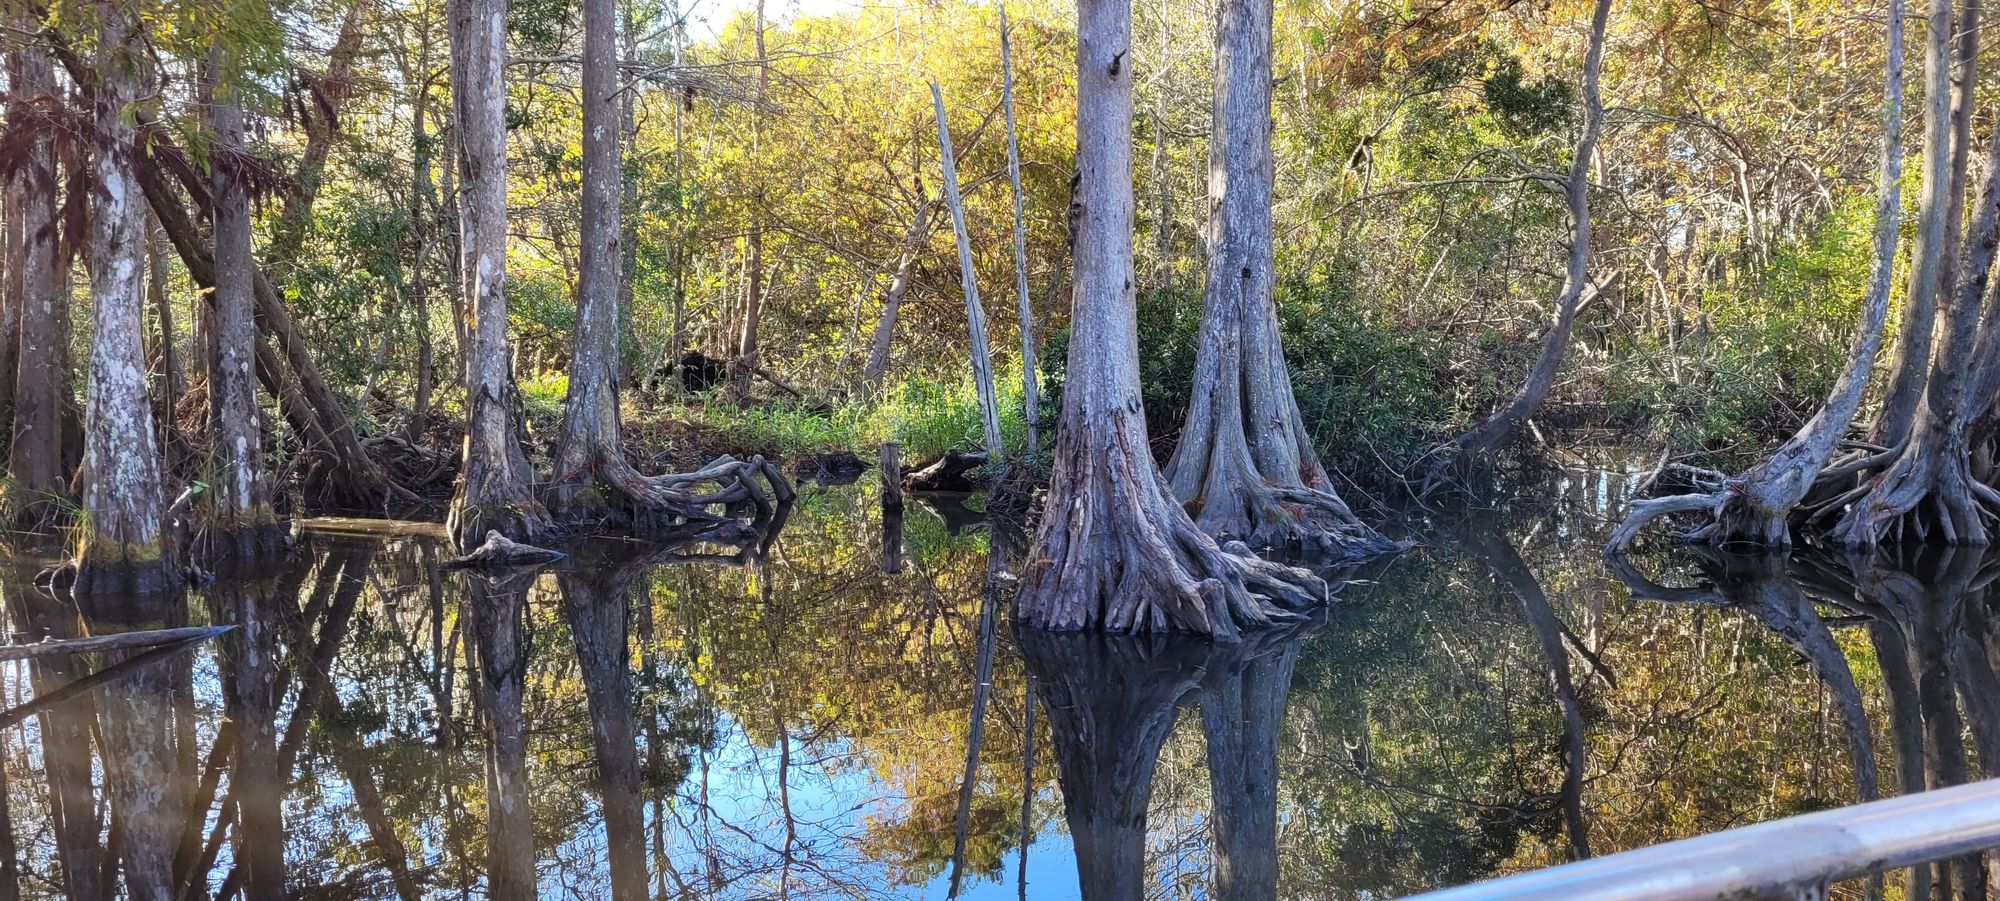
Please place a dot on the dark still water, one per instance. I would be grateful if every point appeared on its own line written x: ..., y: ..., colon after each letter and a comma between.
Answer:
x: 792, y: 721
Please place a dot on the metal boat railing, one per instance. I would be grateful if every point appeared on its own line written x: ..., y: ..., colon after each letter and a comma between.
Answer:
x: 1796, y: 857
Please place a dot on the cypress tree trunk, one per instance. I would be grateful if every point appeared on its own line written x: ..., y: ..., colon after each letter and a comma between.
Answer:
x: 122, y: 547
x: 589, y: 456
x: 493, y: 491
x: 1499, y: 428
x: 1928, y: 269
x: 590, y: 412
x: 35, y: 453
x: 242, y: 492
x: 1930, y: 489
x: 1115, y: 550
x: 1754, y: 507
x: 1245, y: 467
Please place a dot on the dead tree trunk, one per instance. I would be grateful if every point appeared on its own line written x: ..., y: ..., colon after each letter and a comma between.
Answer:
x: 123, y: 547
x: 35, y: 454
x: 493, y: 490
x: 1499, y: 428
x: 1031, y: 396
x: 975, y: 313
x: 1753, y: 508
x: 1245, y: 467
x: 1115, y: 550
x: 242, y: 494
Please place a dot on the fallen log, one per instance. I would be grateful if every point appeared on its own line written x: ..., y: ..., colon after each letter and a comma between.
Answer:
x: 96, y: 644
x: 954, y: 471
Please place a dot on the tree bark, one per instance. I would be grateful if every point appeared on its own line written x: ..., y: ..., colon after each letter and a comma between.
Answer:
x: 1245, y: 467
x: 35, y: 454
x: 1930, y: 489
x: 493, y: 491
x: 1929, y: 273
x: 1753, y: 508
x: 975, y: 313
x: 242, y: 493
x: 589, y: 456
x: 1499, y: 428
x: 1115, y: 550
x: 122, y: 548
x: 590, y: 436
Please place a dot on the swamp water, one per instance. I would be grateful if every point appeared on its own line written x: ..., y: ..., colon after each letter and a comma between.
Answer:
x: 790, y: 720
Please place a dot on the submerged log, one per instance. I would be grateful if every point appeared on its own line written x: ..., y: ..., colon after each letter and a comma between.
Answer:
x: 501, y: 551
x: 122, y: 641
x: 954, y: 471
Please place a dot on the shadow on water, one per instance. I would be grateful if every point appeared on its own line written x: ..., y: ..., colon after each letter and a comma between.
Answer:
x: 834, y: 705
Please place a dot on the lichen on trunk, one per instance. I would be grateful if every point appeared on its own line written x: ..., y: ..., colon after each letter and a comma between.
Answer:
x: 121, y: 547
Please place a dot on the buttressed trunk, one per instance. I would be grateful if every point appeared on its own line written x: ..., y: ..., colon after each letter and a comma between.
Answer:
x: 1115, y: 550
x: 122, y: 547
x: 493, y: 491
x: 1245, y: 467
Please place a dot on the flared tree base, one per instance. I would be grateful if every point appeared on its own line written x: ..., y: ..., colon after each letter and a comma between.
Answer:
x: 108, y: 569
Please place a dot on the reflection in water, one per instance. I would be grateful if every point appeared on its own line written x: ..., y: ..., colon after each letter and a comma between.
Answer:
x: 766, y: 712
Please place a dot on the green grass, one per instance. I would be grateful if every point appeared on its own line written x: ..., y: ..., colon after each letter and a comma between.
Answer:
x: 927, y: 416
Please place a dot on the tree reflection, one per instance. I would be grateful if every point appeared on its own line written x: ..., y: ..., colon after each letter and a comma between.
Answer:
x: 1111, y: 702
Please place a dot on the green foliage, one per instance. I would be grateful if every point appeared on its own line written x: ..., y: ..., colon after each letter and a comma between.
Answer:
x: 1761, y: 355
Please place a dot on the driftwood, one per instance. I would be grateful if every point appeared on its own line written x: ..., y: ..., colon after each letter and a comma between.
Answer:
x: 122, y: 641
x: 954, y: 471
x: 500, y: 551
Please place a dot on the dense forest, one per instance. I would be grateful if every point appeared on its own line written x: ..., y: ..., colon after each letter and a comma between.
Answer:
x: 1187, y: 278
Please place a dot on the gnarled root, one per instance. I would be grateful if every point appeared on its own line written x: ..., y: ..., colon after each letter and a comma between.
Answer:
x: 1321, y: 524
x: 725, y: 482
x: 1123, y: 560
x: 1928, y: 492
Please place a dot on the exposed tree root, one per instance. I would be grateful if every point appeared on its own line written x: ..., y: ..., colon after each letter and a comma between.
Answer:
x: 726, y: 482
x: 1123, y: 558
